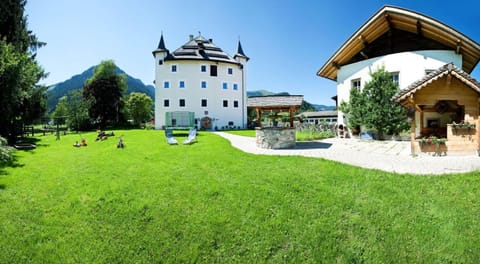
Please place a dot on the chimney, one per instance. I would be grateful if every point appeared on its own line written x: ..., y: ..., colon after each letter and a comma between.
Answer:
x: 210, y: 40
x: 191, y: 37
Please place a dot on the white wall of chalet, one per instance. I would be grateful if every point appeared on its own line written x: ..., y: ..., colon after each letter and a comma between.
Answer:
x: 410, y: 66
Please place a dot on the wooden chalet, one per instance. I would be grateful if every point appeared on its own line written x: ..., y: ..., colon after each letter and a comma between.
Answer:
x: 444, y: 104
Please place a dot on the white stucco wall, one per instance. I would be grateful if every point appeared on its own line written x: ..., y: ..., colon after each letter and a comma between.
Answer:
x: 189, y: 71
x: 411, y: 67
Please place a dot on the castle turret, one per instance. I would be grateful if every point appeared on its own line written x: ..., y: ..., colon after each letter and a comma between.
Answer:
x: 161, y: 52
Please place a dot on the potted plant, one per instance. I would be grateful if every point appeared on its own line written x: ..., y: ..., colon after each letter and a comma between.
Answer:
x: 434, y: 144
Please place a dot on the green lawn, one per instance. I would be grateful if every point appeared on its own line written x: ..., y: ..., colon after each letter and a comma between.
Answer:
x: 211, y: 203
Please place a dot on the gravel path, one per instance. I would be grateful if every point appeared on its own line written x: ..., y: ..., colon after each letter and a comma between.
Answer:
x: 391, y: 156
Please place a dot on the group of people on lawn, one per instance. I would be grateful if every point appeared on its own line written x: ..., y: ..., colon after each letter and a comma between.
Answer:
x: 101, y: 135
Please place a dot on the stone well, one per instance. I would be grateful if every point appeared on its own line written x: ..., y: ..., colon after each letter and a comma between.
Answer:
x: 275, y: 137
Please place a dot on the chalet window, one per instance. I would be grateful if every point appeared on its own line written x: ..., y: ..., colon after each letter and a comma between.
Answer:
x: 225, y: 103
x: 224, y: 86
x: 395, y: 78
x: 181, y: 102
x: 203, y: 68
x: 213, y: 70
x: 166, y: 85
x: 204, y: 102
x: 204, y: 84
x: 174, y: 68
x: 235, y: 104
x: 356, y: 83
x: 230, y: 71
x: 166, y: 103
x: 181, y: 84
x: 235, y: 86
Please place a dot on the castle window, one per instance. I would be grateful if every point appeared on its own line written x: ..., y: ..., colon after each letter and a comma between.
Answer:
x: 225, y: 103
x: 204, y: 102
x: 224, y: 86
x: 213, y: 70
x: 204, y: 84
x: 235, y: 104
x: 166, y: 85
x: 235, y: 86
x: 356, y: 83
x: 160, y: 62
x: 166, y: 103
x: 230, y: 71
x: 181, y: 102
x: 181, y: 84
x: 174, y: 68
x: 203, y: 68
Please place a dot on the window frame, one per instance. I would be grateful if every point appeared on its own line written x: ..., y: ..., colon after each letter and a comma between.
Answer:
x: 166, y: 84
x: 235, y: 104
x: 173, y: 68
x: 182, y: 102
x: 166, y: 102
x: 224, y: 85
x: 213, y: 70
x: 204, y: 103
x: 354, y: 82
x: 181, y: 84
x: 203, y: 84
x: 225, y: 103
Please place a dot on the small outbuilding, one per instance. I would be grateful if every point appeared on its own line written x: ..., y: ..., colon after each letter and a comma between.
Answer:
x: 444, y: 104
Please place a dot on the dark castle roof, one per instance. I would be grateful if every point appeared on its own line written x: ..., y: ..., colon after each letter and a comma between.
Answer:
x: 199, y: 48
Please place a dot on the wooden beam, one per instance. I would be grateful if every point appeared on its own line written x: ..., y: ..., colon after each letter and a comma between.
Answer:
x: 459, y: 47
x: 419, y: 28
x: 389, y: 21
x: 336, y: 65
x: 364, y: 55
x: 363, y: 40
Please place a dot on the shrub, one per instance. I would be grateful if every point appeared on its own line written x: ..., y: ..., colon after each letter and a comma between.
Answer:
x: 5, y: 152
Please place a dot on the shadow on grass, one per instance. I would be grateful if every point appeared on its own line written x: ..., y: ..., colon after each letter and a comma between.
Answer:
x: 2, y: 186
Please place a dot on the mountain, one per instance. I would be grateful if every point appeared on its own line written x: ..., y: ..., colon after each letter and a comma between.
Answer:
x: 324, y: 107
x: 56, y: 91
x: 308, y: 105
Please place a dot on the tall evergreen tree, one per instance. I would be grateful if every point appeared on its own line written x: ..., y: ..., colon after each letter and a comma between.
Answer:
x: 372, y: 106
x: 20, y: 99
x: 380, y: 112
x: 106, y: 89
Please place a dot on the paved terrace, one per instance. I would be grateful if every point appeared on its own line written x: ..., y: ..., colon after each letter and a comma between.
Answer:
x: 391, y: 156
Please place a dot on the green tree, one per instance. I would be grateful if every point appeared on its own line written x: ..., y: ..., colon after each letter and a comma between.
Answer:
x: 380, y: 112
x: 106, y: 89
x: 77, y: 111
x: 354, y: 110
x: 139, y: 106
x: 61, y: 110
x: 20, y: 99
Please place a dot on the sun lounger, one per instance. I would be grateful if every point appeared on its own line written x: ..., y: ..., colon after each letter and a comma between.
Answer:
x: 170, y: 139
x: 192, y: 137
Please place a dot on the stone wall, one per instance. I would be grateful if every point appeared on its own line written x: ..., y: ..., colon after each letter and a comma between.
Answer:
x: 276, y: 137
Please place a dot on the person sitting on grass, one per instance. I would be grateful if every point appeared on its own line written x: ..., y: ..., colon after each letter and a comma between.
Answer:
x: 76, y: 144
x: 83, y: 142
x: 120, y: 143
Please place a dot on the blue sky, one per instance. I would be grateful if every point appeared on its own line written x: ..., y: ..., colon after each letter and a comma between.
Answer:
x: 287, y: 41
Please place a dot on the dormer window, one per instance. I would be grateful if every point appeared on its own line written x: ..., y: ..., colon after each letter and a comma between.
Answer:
x: 213, y: 70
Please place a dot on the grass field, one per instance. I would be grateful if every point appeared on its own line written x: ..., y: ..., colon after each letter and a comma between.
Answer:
x: 211, y: 203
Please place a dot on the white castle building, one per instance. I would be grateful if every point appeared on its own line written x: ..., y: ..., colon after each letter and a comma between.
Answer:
x: 200, y: 77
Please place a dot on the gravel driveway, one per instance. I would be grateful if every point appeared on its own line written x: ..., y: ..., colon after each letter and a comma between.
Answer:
x: 391, y: 156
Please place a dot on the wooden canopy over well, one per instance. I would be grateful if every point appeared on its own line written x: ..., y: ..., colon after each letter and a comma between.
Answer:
x: 275, y: 103
x: 440, y: 100
x: 393, y: 30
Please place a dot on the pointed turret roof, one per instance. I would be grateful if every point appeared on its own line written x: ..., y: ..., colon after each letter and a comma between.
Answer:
x: 161, y: 44
x: 240, y: 52
x: 161, y: 47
